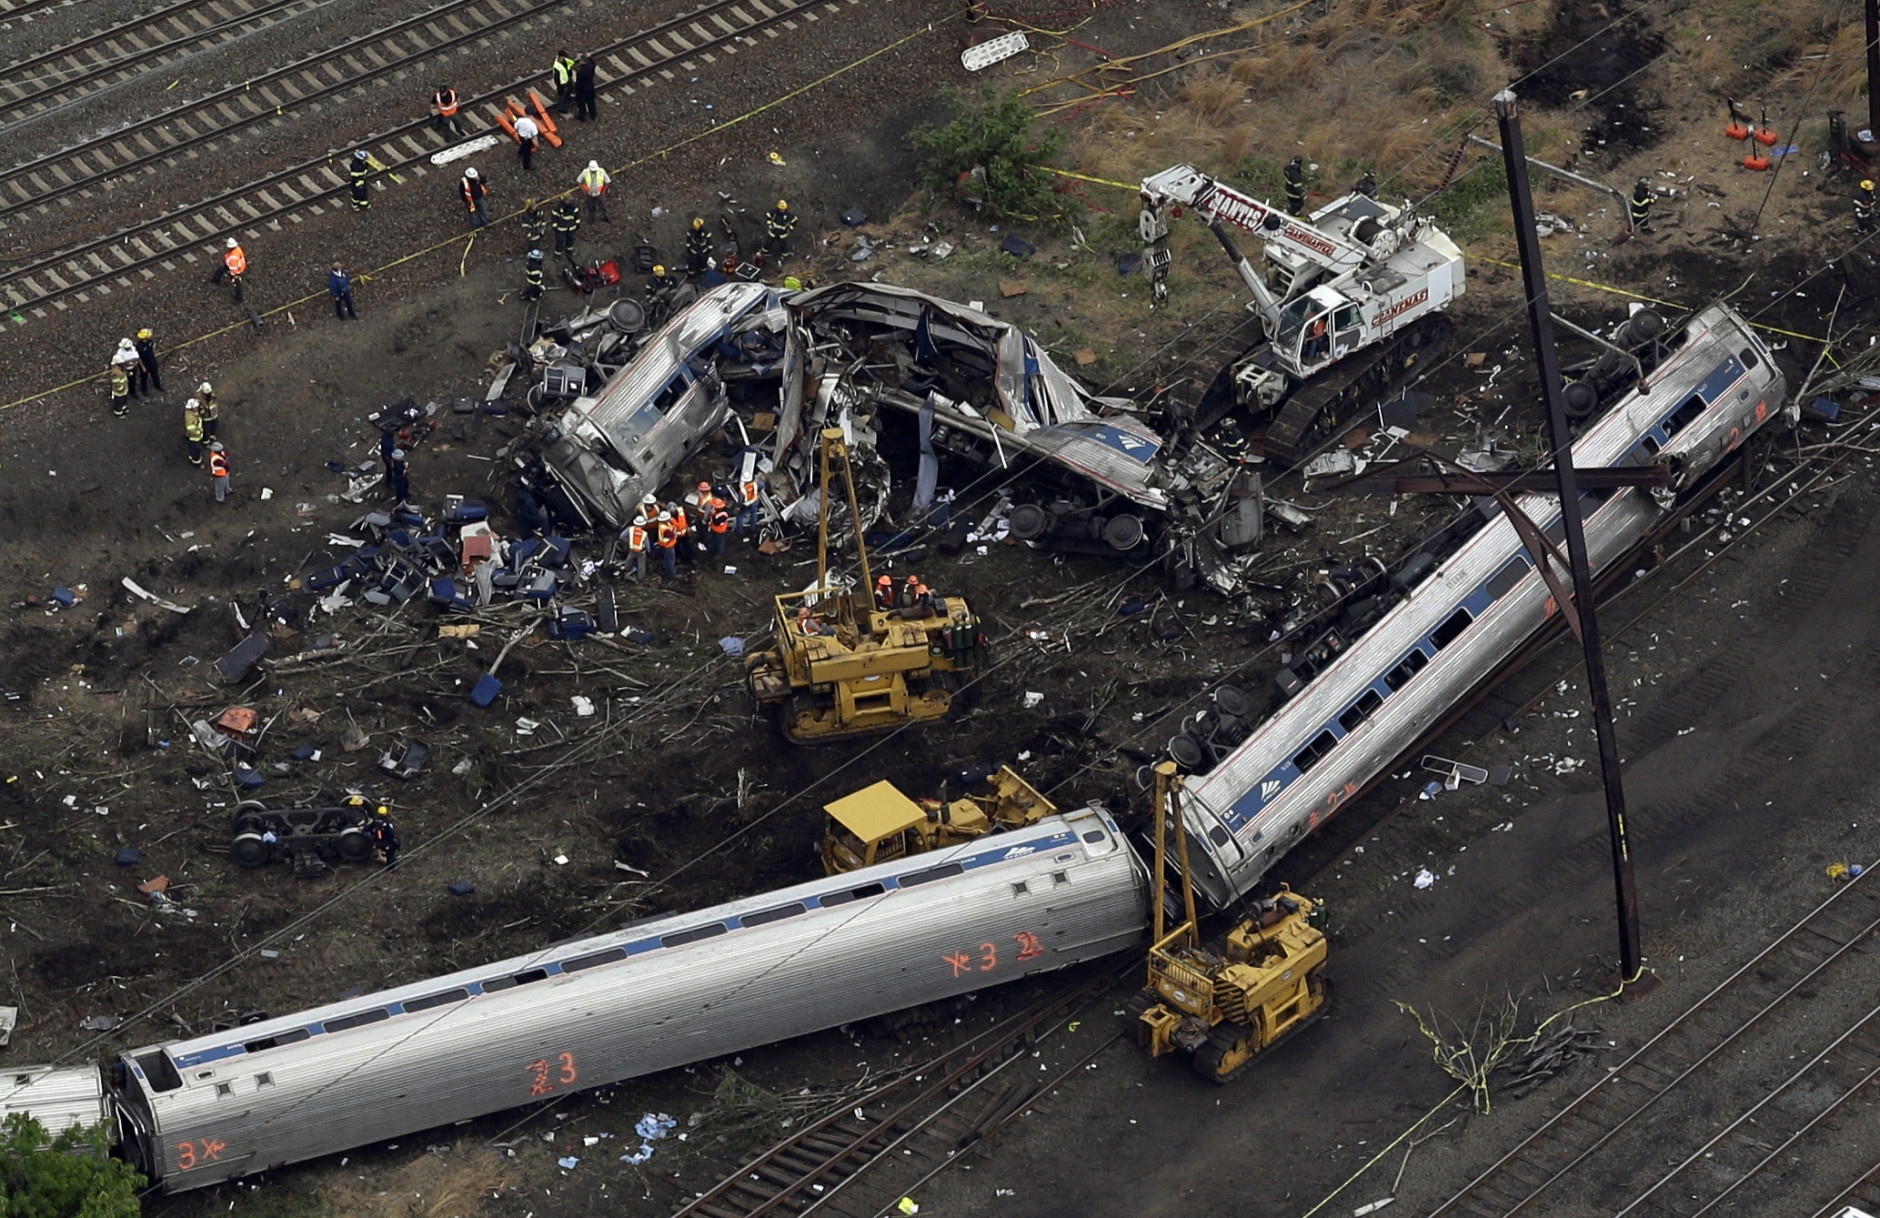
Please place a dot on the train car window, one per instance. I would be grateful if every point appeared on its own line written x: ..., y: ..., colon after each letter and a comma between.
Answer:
x: 222, y: 1089
x: 264, y: 1079
x: 1451, y: 629
x: 289, y: 1037
x: 853, y: 894
x: 1556, y: 532
x: 1748, y: 356
x: 1314, y: 752
x: 1362, y: 709
x: 1503, y: 581
x: 942, y: 872
x: 160, y: 1071
x: 1683, y: 416
x: 429, y: 1001
x: 1020, y: 889
x: 1060, y: 877
x: 1219, y: 835
x: 697, y: 933
x: 593, y: 960
x: 504, y: 983
x: 1095, y: 836
x: 766, y: 917
x: 360, y: 1020
x: 1408, y: 667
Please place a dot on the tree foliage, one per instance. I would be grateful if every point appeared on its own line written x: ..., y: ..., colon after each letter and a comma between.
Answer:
x: 994, y: 133
x: 70, y: 1176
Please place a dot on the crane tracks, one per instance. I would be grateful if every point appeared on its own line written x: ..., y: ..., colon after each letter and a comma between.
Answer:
x: 122, y: 52
x: 71, y: 274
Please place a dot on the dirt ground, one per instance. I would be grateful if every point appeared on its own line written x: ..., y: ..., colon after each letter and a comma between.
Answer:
x: 674, y: 793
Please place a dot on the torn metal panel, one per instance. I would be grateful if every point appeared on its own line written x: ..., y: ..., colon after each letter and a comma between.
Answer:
x: 611, y: 448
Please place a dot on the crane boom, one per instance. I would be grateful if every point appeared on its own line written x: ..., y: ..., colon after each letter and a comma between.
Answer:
x: 1187, y: 185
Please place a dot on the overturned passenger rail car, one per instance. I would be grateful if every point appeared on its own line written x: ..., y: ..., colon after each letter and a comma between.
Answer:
x: 1455, y: 622
x: 675, y: 990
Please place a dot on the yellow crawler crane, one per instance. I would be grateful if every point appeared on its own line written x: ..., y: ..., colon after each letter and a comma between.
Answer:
x: 1224, y: 1008
x: 878, y: 823
x: 843, y: 667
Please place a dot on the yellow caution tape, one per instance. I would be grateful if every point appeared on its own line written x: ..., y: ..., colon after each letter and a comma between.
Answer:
x: 1084, y: 177
x: 926, y: 28
x: 1606, y: 287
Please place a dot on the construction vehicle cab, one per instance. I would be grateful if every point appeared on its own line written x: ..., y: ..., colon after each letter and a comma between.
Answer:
x: 1224, y: 1007
x: 879, y: 823
x: 843, y: 666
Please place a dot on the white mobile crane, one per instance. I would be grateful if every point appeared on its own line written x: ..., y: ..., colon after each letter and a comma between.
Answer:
x: 1351, y: 303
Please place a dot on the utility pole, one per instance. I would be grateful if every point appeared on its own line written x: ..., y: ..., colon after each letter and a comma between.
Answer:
x: 1540, y: 320
x: 1873, y: 69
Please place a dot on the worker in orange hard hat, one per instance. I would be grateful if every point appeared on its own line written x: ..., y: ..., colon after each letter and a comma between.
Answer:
x: 884, y: 593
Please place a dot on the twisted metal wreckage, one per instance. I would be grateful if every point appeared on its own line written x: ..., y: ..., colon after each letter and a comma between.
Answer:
x: 911, y: 379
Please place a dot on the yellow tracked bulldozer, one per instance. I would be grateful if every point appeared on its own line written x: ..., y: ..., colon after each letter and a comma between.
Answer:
x: 1224, y: 1007
x: 878, y: 823
x: 844, y: 667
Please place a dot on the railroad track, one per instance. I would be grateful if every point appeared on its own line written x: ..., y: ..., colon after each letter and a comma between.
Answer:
x: 1864, y: 1194
x: 192, y: 232
x: 125, y: 51
x: 1752, y: 1018
x: 861, y: 1157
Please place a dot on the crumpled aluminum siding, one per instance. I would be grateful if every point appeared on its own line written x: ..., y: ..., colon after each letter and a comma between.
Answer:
x: 58, y: 1096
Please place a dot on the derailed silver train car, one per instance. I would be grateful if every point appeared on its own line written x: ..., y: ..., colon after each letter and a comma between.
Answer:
x: 1456, y: 622
x: 680, y: 989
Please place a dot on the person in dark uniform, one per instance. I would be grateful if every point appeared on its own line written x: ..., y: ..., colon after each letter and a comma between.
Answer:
x: 1863, y: 212
x: 385, y: 835
x: 1367, y: 185
x: 1296, y: 186
x: 779, y: 223
x: 534, y: 225
x: 567, y: 222
x: 398, y: 474
x: 146, y: 348
x: 359, y: 171
x: 1639, y: 206
x: 532, y: 276
x: 698, y: 248
x: 584, y: 92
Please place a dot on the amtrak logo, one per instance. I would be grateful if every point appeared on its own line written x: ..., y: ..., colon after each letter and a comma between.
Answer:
x: 1018, y: 852
x: 1269, y: 789
x: 1133, y: 443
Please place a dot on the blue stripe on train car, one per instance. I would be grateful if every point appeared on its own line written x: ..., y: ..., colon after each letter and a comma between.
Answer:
x: 1720, y: 379
x: 1142, y: 448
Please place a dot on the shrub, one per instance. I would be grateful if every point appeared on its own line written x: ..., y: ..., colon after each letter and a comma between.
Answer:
x: 995, y: 133
x: 70, y: 1176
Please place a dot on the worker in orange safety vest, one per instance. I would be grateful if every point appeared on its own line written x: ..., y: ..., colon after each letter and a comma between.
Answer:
x: 682, y: 530
x: 234, y: 266
x: 444, y: 111
x: 884, y: 594
x: 717, y: 524
x: 218, y: 471
x: 666, y: 537
x: 636, y: 538
x: 747, y: 507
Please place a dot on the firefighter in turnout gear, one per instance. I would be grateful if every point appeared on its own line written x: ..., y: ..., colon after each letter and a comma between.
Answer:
x: 779, y: 223
x: 444, y: 112
x: 698, y: 248
x: 1296, y: 186
x: 532, y: 276
x: 534, y: 225
x: 567, y: 222
x: 359, y: 171
x: 1639, y: 207
x: 1863, y: 206
x: 660, y: 288
x: 122, y: 364
x: 211, y: 412
x: 192, y: 429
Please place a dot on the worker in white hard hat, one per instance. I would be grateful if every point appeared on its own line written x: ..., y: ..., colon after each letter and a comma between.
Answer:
x: 123, y: 368
x: 471, y: 188
x: 666, y: 540
x: 234, y: 266
x: 210, y: 411
x: 192, y: 429
x: 594, y: 182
